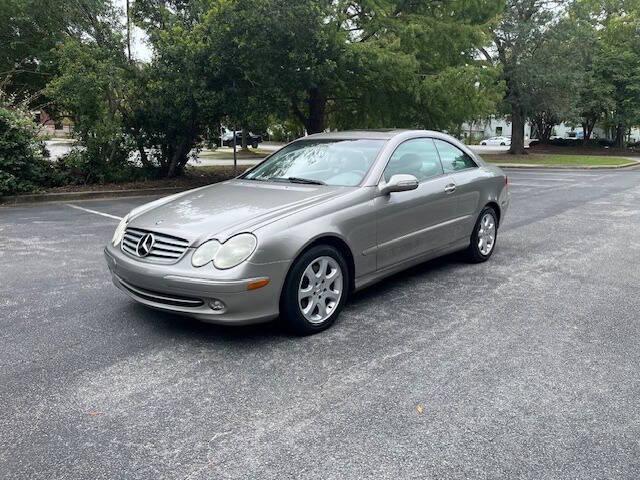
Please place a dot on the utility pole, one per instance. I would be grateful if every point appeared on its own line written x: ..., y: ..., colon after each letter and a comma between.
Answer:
x: 235, y: 152
x: 128, y: 34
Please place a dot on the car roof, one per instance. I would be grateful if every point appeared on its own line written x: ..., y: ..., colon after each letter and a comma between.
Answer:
x: 381, y: 134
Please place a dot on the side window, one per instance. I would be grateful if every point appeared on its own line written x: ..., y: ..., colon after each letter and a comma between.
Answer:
x: 453, y: 159
x: 417, y: 157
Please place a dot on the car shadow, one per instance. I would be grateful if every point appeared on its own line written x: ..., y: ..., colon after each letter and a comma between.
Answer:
x: 169, y: 324
x: 166, y: 324
x: 397, y: 279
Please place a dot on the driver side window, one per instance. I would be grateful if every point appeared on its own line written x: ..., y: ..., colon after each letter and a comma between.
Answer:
x: 453, y: 159
x: 417, y: 157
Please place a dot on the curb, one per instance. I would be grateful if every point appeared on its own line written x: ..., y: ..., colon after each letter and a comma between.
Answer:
x: 530, y: 166
x: 141, y: 192
x: 94, y: 194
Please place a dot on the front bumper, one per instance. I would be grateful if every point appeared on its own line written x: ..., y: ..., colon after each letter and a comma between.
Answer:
x: 182, y: 289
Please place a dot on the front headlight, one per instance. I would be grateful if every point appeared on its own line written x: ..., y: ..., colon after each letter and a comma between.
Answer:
x: 235, y: 251
x: 205, y: 253
x: 227, y: 255
x: 119, y: 233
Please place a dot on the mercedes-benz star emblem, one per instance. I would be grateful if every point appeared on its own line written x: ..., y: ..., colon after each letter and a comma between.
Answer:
x: 145, y: 244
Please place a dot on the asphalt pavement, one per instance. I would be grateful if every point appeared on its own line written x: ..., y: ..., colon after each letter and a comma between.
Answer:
x: 526, y: 366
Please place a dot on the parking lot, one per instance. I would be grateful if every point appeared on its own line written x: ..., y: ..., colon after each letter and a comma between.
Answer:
x: 526, y: 366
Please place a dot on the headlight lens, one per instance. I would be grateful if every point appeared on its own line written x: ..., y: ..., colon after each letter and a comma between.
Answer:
x: 205, y: 253
x: 235, y: 251
x: 119, y: 233
x: 227, y: 255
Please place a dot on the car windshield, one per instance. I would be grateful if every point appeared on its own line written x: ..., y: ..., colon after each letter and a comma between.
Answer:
x: 322, y: 162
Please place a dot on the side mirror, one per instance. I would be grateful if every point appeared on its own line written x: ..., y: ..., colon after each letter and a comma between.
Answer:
x: 399, y: 183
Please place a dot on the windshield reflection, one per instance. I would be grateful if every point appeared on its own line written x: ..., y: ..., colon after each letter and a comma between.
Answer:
x: 329, y: 162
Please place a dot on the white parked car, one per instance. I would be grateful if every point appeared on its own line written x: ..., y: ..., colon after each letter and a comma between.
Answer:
x: 502, y: 141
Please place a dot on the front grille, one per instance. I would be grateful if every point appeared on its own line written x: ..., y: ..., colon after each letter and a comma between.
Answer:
x: 165, y: 249
x: 163, y: 298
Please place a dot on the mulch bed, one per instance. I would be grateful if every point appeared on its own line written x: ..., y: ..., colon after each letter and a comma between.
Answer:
x: 579, y: 150
x: 192, y: 179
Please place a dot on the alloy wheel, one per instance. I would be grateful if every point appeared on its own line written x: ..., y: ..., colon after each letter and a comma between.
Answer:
x: 320, y: 289
x: 487, y: 234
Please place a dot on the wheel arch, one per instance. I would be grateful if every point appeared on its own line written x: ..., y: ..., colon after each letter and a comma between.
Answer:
x: 496, y: 208
x: 340, y: 245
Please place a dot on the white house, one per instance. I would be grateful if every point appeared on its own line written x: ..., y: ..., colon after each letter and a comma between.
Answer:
x: 496, y: 127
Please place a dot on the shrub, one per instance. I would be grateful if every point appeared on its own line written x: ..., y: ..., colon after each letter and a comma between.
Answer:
x: 23, y: 167
x: 84, y: 166
x: 573, y: 142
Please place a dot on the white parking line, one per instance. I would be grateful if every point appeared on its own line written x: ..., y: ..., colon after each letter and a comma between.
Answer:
x: 108, y: 215
x: 532, y: 185
x: 557, y: 174
x: 541, y: 179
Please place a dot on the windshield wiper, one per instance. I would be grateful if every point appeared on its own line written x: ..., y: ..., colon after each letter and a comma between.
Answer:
x: 307, y: 181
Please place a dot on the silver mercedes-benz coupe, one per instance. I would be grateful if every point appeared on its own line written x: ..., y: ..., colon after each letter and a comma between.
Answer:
x: 295, y: 235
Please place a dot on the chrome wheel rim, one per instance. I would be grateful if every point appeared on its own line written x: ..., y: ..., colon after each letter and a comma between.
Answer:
x: 320, y: 289
x: 487, y: 234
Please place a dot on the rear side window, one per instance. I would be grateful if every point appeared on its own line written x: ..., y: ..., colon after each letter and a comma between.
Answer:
x: 453, y: 159
x: 417, y: 157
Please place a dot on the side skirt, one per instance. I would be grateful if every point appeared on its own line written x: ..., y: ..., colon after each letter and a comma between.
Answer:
x: 371, y: 278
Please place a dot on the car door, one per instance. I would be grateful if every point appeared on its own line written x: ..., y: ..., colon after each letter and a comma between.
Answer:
x: 415, y: 222
x: 464, y: 175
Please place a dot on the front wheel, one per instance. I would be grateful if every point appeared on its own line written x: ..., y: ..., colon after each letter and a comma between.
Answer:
x: 484, y: 236
x: 315, y: 290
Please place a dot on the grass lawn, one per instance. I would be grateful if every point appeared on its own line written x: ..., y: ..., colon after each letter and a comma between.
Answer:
x: 555, y: 159
x: 226, y: 153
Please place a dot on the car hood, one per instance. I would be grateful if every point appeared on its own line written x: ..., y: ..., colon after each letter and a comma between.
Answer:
x: 224, y: 209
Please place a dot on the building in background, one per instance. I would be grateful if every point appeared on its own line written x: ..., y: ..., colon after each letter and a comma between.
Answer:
x: 50, y: 127
x: 498, y: 127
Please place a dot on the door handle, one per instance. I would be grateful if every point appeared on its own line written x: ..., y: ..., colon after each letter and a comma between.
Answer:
x: 450, y: 188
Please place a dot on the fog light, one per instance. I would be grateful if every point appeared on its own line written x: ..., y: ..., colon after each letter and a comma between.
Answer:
x: 217, y: 306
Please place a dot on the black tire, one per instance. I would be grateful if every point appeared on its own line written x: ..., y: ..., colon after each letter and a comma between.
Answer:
x: 473, y: 252
x: 254, y: 144
x: 484, y: 144
x: 290, y: 310
x: 503, y: 144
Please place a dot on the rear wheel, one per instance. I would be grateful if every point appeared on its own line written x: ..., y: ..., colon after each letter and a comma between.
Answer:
x: 484, y: 236
x: 315, y: 290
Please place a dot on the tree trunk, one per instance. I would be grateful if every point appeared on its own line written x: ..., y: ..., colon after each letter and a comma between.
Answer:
x: 517, y: 131
x: 587, y: 130
x: 179, y: 158
x: 314, y: 121
x: 619, y: 140
x: 144, y: 159
x: 244, y: 138
x: 317, y: 103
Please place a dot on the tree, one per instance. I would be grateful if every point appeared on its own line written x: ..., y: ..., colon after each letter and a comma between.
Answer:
x: 94, y: 85
x: 347, y: 63
x: 556, y: 72
x: 177, y: 100
x: 593, y: 92
x: 516, y: 39
x: 609, y: 93
x: 619, y: 63
x: 32, y: 29
x: 22, y: 164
